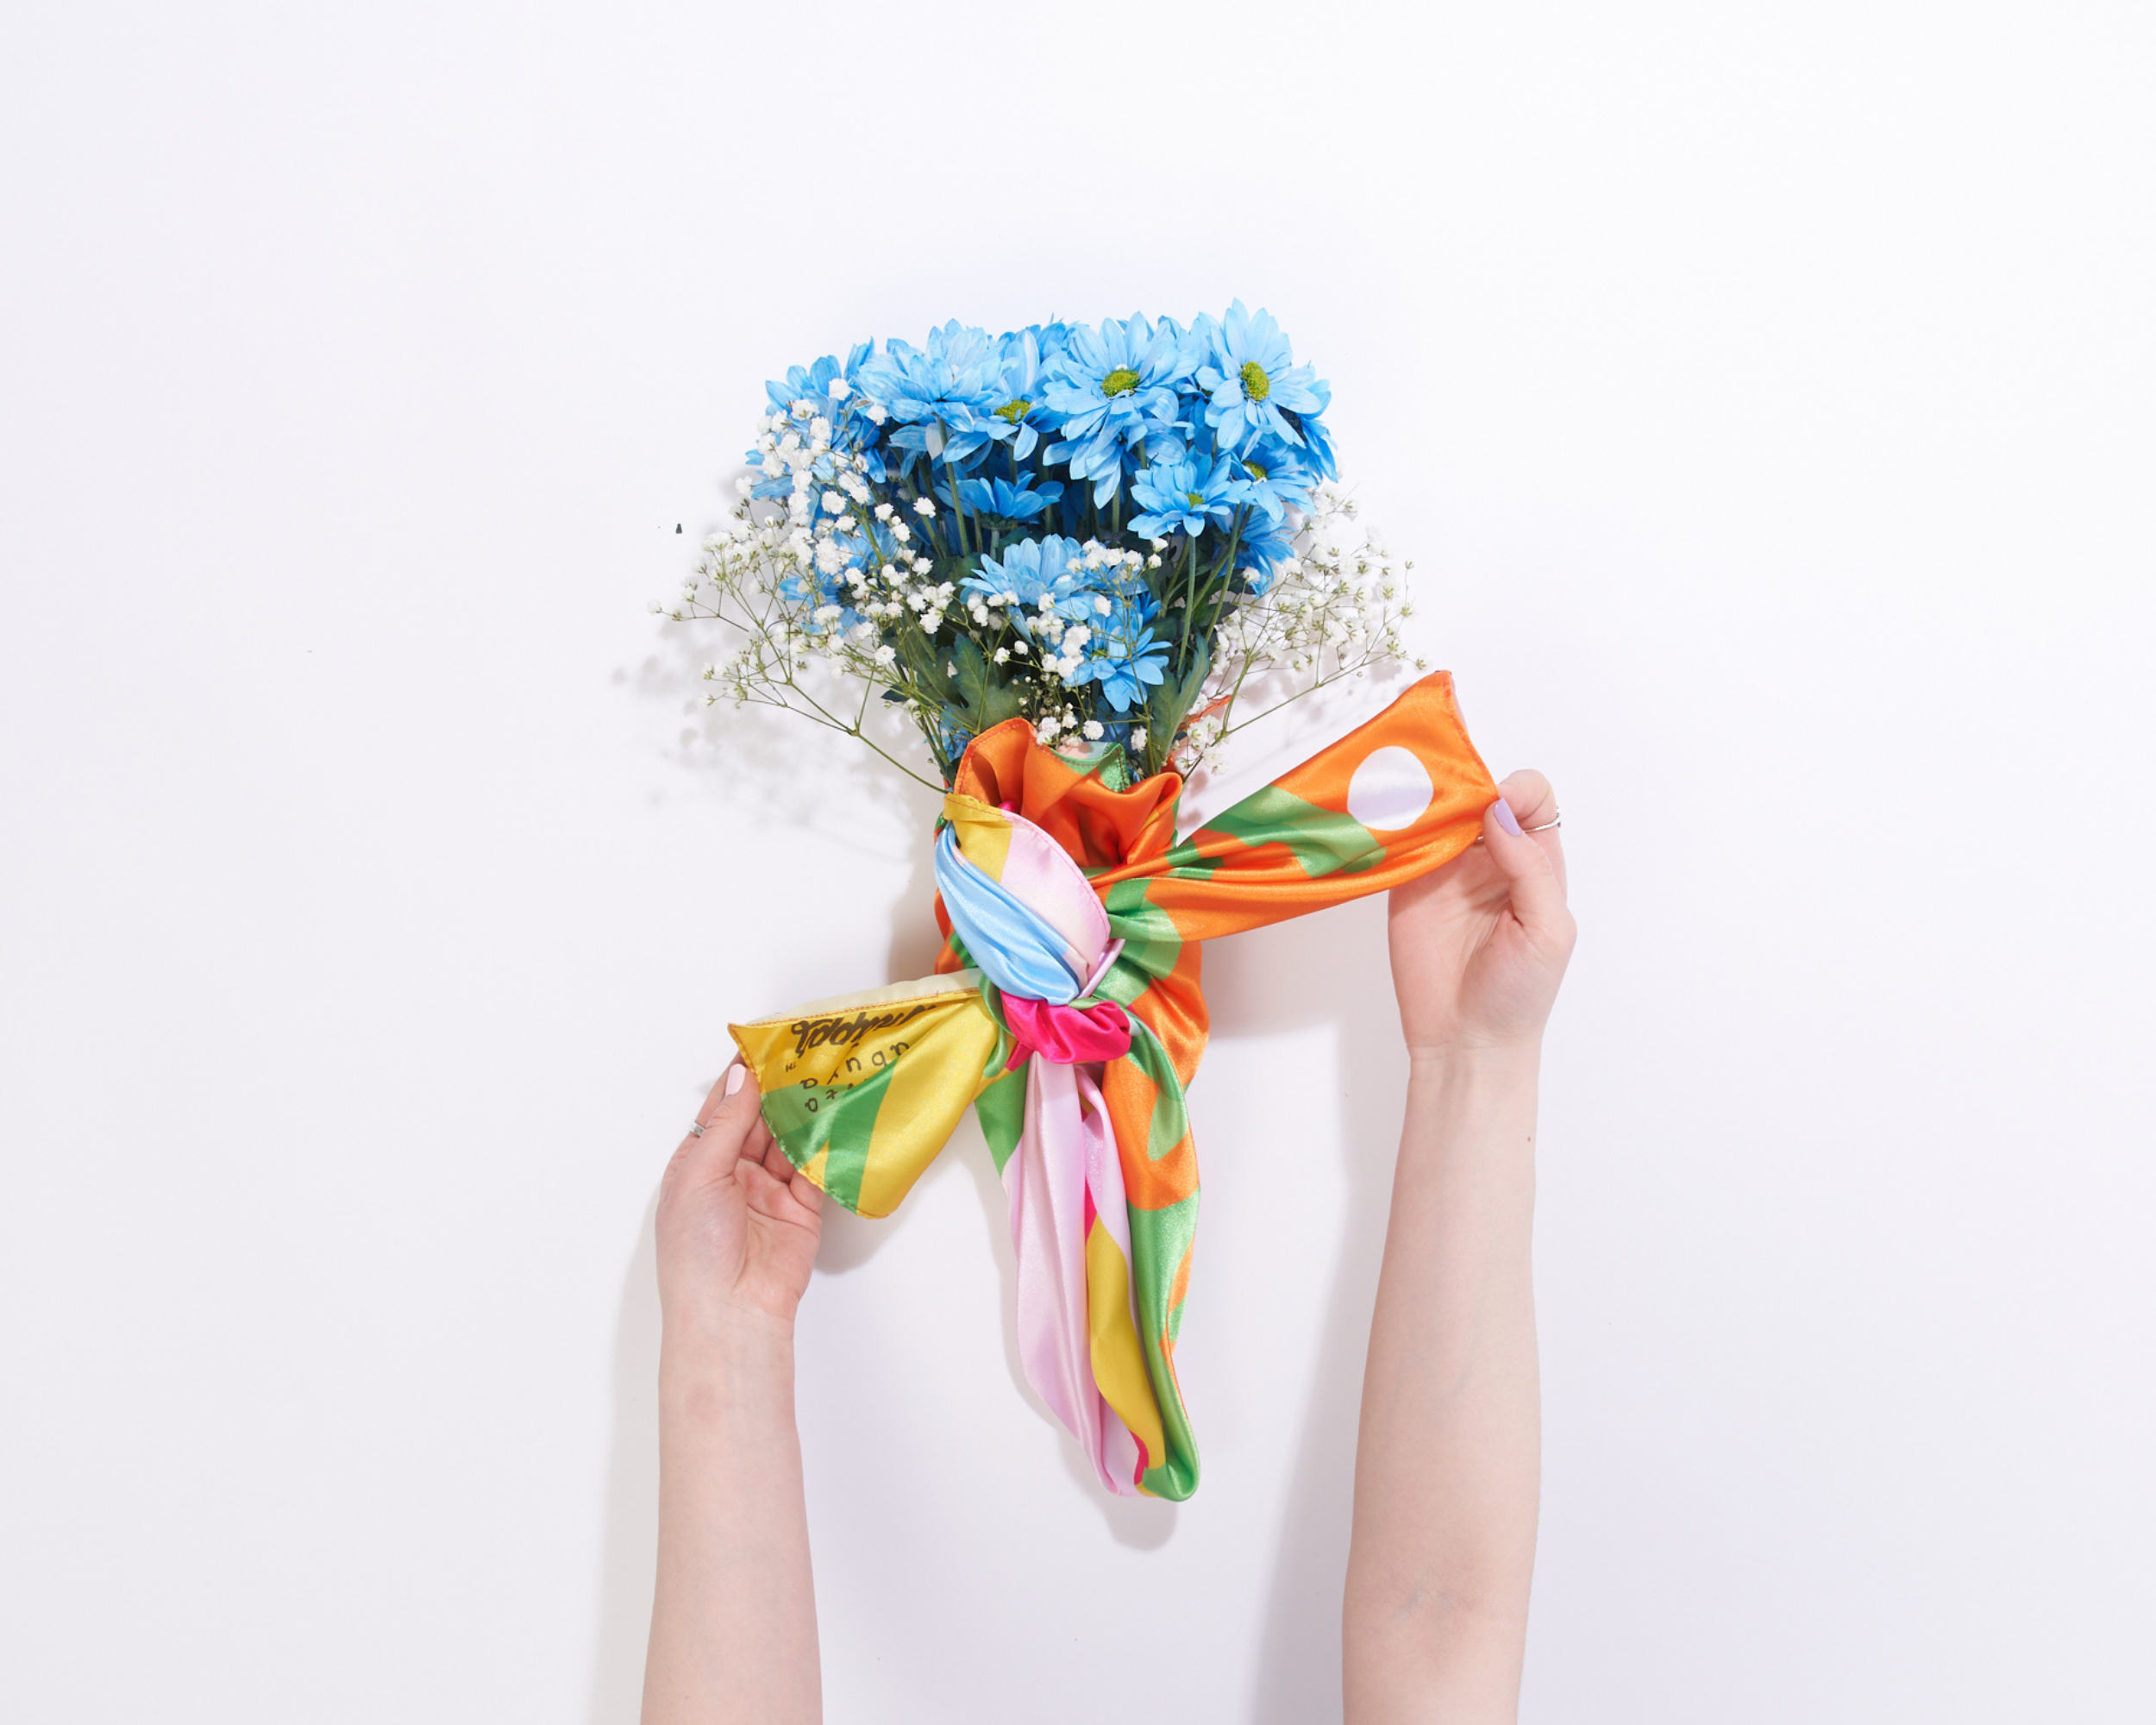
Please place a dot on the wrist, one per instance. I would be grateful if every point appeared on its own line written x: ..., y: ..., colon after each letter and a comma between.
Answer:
x: 1475, y: 1085
x: 723, y: 1341
x: 727, y: 1387
x: 1475, y: 1062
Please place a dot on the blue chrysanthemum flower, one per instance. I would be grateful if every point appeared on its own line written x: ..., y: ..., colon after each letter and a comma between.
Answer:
x: 823, y: 592
x: 1271, y: 474
x: 1039, y: 571
x: 1317, y: 437
x: 1126, y: 658
x: 1263, y: 547
x: 1004, y: 501
x: 815, y: 384
x: 831, y: 394
x: 1184, y: 496
x: 1253, y: 385
x: 1111, y: 388
x: 836, y: 562
x: 1018, y: 418
x: 939, y: 394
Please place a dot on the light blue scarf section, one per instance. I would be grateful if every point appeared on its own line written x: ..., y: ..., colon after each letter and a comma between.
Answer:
x: 1018, y: 951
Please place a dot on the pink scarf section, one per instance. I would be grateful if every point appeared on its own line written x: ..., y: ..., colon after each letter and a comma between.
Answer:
x: 1063, y: 1176
x: 1069, y: 1036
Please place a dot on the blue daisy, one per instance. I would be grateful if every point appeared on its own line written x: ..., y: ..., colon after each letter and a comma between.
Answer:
x: 1112, y: 388
x: 1126, y: 656
x: 1263, y: 548
x: 1253, y: 385
x: 1004, y: 501
x: 1184, y: 495
x: 1271, y: 474
x: 1022, y: 383
x: 1039, y: 571
x: 832, y: 392
x: 813, y: 384
x: 939, y: 394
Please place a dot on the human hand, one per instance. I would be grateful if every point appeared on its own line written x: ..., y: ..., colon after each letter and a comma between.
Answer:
x: 1480, y: 945
x: 737, y: 1225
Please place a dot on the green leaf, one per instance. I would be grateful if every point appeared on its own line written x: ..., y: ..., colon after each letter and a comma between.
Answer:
x: 1169, y: 702
x: 972, y: 679
x: 1164, y: 710
x: 926, y: 664
x: 987, y: 699
x: 1195, y: 677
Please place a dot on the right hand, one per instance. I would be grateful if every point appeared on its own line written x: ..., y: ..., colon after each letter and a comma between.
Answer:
x: 1480, y: 945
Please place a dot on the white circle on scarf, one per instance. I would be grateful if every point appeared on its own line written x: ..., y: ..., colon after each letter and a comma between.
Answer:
x: 1389, y: 790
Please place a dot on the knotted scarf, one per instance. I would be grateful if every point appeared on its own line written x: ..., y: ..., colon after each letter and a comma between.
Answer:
x: 1067, y: 1011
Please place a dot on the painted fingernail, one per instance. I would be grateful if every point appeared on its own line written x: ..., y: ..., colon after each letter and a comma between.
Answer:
x: 1506, y: 817
x: 736, y: 1072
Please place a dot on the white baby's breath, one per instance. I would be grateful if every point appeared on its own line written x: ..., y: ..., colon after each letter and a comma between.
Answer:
x: 1330, y: 611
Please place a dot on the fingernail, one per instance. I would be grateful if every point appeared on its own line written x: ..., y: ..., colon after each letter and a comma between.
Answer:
x: 1506, y: 817
x: 736, y: 1072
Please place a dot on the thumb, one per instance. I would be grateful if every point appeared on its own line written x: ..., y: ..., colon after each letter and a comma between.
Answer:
x: 1538, y: 896
x: 723, y: 1126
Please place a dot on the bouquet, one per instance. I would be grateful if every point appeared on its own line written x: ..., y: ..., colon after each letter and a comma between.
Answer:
x: 1068, y: 553
x: 1102, y: 531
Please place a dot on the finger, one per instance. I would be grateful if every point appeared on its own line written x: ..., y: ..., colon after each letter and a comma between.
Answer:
x: 805, y: 1191
x: 1537, y: 896
x: 734, y: 1096
x: 781, y: 1168
x: 730, y: 1115
x: 1529, y: 794
x: 773, y: 1157
x: 1534, y: 806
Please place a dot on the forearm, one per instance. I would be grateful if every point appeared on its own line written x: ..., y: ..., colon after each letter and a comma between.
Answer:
x: 1448, y: 1465
x: 733, y: 1620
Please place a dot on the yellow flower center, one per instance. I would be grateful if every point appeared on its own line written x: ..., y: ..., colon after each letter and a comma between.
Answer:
x: 1014, y: 410
x: 1254, y: 469
x: 1256, y: 384
x: 1120, y: 381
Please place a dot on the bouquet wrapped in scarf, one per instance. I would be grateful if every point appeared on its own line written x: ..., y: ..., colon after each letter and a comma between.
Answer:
x: 1074, y: 557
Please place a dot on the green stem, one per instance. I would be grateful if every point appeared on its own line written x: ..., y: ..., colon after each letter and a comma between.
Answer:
x: 1235, y: 538
x: 1190, y: 597
x: 1227, y: 730
x: 822, y: 715
x: 958, y: 508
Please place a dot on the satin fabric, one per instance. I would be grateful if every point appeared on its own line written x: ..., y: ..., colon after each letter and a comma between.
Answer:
x: 1055, y: 889
x: 1020, y: 950
x: 1066, y: 1036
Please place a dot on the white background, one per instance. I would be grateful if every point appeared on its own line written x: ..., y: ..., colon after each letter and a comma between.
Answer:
x: 1765, y: 393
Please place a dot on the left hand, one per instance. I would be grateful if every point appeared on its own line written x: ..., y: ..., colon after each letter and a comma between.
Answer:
x: 737, y: 1224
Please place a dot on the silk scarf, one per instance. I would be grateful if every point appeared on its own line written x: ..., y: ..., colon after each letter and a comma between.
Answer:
x: 1067, y: 1011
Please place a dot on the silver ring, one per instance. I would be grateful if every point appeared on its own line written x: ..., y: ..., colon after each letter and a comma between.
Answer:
x: 696, y: 1129
x: 1547, y: 824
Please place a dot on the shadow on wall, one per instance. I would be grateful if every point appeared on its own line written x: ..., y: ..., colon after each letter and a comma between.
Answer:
x: 851, y: 1241
x: 1337, y: 959
x: 778, y: 770
x: 629, y: 1553
x: 784, y: 782
x: 630, y: 1550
